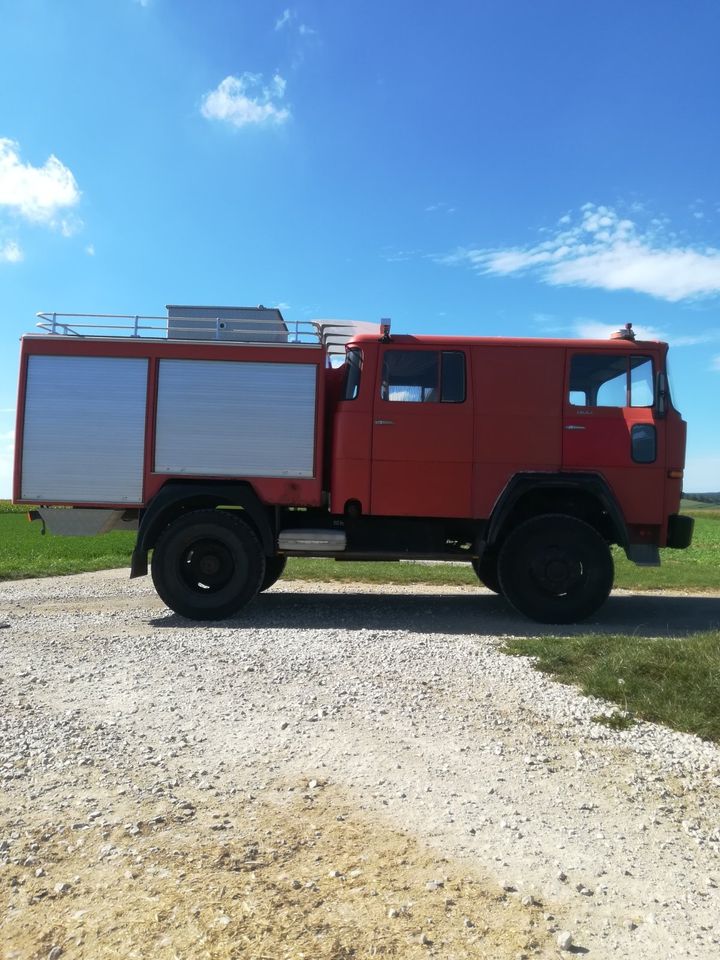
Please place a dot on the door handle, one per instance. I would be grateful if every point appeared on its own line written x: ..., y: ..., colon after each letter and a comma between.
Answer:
x: 384, y: 423
x: 573, y: 426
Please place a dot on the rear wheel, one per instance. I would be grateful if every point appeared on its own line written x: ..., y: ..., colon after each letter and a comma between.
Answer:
x: 207, y: 565
x: 486, y: 570
x: 274, y: 567
x: 555, y: 569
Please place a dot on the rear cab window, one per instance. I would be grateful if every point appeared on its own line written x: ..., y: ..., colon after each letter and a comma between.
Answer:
x: 423, y: 376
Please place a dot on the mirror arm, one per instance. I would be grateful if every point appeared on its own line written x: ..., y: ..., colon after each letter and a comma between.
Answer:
x: 662, y: 395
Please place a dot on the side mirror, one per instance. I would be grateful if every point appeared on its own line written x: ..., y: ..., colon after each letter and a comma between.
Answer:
x: 662, y: 395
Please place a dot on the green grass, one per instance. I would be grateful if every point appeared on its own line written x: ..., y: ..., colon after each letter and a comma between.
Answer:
x: 25, y: 553
x: 688, y: 505
x: 7, y: 507
x: 348, y: 571
x: 697, y: 568
x: 671, y: 681
x: 617, y: 720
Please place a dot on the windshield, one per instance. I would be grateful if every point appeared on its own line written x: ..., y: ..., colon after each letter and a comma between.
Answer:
x: 670, y: 383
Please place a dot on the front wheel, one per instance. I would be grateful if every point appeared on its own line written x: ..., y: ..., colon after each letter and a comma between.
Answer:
x: 486, y: 570
x: 207, y: 565
x: 274, y: 567
x: 555, y: 569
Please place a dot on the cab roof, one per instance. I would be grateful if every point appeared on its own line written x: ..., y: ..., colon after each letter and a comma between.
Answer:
x: 442, y: 342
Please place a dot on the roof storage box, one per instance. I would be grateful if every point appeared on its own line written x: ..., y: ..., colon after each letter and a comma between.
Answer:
x: 244, y: 324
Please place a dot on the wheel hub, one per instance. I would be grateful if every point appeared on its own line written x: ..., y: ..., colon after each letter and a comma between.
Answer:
x: 556, y: 570
x: 207, y: 565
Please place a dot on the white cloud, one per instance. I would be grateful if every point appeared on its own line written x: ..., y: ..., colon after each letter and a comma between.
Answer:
x: 674, y: 274
x: 694, y: 339
x: 288, y: 18
x: 35, y: 193
x: 592, y: 330
x: 602, y: 250
x: 71, y: 225
x: 10, y: 252
x: 247, y: 100
x: 393, y: 255
x: 90, y: 249
x: 716, y: 363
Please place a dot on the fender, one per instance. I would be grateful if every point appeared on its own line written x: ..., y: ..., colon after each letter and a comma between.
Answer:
x: 175, y: 498
x: 524, y: 483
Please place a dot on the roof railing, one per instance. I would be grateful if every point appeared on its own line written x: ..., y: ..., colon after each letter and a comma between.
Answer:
x: 330, y: 334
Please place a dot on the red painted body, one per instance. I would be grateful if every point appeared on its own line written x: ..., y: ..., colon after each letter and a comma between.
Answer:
x: 275, y: 491
x: 448, y: 460
x: 455, y: 460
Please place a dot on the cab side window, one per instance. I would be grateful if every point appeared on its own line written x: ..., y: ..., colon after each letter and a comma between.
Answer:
x: 423, y: 376
x: 601, y: 380
x: 642, y: 388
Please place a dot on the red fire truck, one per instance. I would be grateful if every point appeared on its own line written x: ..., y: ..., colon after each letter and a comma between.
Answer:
x: 231, y: 440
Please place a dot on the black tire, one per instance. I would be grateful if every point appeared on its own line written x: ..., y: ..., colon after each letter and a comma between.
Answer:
x: 555, y: 569
x: 207, y: 565
x: 486, y: 570
x: 274, y: 567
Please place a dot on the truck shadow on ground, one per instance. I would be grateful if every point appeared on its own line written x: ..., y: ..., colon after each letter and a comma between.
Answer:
x: 482, y: 613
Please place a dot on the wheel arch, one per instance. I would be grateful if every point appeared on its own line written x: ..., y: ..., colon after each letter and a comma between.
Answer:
x: 584, y: 496
x: 177, y: 498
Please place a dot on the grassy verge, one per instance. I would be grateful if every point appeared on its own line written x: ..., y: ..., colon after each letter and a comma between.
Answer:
x: 671, y: 681
x: 333, y: 571
x: 25, y: 553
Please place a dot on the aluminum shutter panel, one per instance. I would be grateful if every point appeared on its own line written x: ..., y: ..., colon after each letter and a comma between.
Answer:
x: 237, y: 419
x: 84, y: 430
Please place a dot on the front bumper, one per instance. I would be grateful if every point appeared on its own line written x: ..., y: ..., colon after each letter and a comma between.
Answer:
x: 680, y: 531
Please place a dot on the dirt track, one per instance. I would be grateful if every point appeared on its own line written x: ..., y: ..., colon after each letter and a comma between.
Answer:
x: 345, y: 771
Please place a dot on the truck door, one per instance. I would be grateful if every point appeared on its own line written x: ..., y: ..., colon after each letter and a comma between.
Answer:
x: 611, y: 427
x: 422, y: 433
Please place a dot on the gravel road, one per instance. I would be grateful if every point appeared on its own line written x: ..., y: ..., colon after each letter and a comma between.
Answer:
x: 344, y: 771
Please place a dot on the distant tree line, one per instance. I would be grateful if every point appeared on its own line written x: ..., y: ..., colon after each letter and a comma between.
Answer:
x: 703, y: 497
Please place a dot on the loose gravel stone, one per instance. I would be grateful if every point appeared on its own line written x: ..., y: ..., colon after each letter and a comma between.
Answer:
x: 565, y: 940
x: 120, y: 720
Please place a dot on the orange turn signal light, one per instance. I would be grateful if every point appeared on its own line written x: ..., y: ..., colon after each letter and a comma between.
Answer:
x: 675, y: 474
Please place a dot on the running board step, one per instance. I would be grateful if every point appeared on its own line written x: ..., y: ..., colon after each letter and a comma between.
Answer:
x: 312, y: 541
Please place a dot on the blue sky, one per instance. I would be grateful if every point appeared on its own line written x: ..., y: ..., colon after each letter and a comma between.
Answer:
x: 544, y: 167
